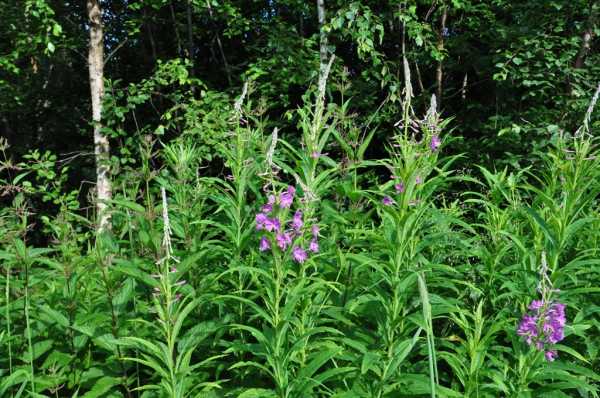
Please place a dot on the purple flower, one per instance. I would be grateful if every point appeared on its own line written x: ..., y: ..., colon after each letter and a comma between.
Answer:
x: 539, y: 345
x: 435, y: 143
x: 557, y: 311
x: 536, y: 305
x: 264, y: 244
x: 551, y: 355
x: 399, y: 187
x: 299, y: 255
x: 543, y: 325
x: 418, y: 180
x: 261, y: 221
x: 268, y: 207
x: 316, y: 155
x: 283, y: 240
x: 528, y: 328
x: 315, y: 230
x: 272, y: 224
x: 554, y: 323
x: 554, y: 333
x: 314, y: 246
x: 387, y: 201
x: 297, y: 222
x: 286, y: 198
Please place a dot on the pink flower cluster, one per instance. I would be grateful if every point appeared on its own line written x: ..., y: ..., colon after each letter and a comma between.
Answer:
x: 435, y: 143
x: 272, y: 220
x: 543, y: 325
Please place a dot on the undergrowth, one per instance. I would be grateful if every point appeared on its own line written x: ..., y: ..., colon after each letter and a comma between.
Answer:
x: 305, y: 269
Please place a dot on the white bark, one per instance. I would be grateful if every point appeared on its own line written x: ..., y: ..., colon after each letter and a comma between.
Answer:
x: 586, y: 45
x: 323, y: 39
x: 101, y: 144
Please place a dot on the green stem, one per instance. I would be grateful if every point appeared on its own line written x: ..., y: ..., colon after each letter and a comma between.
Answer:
x: 28, y: 326
x: 115, y: 326
x: 8, y: 332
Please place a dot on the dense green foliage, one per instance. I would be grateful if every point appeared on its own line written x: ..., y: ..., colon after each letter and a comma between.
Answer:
x: 420, y: 228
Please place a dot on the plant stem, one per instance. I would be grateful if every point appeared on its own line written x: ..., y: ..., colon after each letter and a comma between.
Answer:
x: 28, y: 326
x: 8, y: 332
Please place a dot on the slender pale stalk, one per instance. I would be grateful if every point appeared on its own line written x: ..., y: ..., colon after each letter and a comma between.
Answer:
x: 101, y: 143
x: 28, y: 326
x: 114, y: 320
x: 323, y: 41
x: 8, y: 331
x: 431, y: 355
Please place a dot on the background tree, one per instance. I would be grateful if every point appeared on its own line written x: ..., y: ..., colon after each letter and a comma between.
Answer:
x: 101, y: 144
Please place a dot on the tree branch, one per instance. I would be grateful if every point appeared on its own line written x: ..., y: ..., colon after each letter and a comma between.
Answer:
x: 113, y: 52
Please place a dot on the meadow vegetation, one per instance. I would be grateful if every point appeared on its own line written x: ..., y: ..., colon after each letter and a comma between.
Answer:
x: 307, y: 241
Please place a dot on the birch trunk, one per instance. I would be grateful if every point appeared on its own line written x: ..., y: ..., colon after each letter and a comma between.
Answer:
x: 586, y: 41
x: 323, y: 39
x: 101, y: 144
x: 585, y: 47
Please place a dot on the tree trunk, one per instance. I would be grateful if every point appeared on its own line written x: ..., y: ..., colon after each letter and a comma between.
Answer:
x: 148, y: 25
x: 101, y: 144
x: 176, y: 30
x: 440, y: 66
x: 220, y: 44
x: 586, y: 42
x: 323, y: 38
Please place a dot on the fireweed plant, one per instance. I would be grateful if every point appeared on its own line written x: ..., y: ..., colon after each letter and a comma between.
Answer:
x: 406, y: 216
x: 291, y: 265
x: 283, y: 232
x: 288, y: 338
x: 168, y: 355
x: 522, y: 214
x: 544, y: 324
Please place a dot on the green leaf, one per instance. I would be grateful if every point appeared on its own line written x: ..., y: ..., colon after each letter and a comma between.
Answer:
x: 129, y: 205
x: 102, y: 386
x: 39, y: 348
x: 55, y: 316
x: 257, y: 393
x: 20, y: 376
x: 369, y: 362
